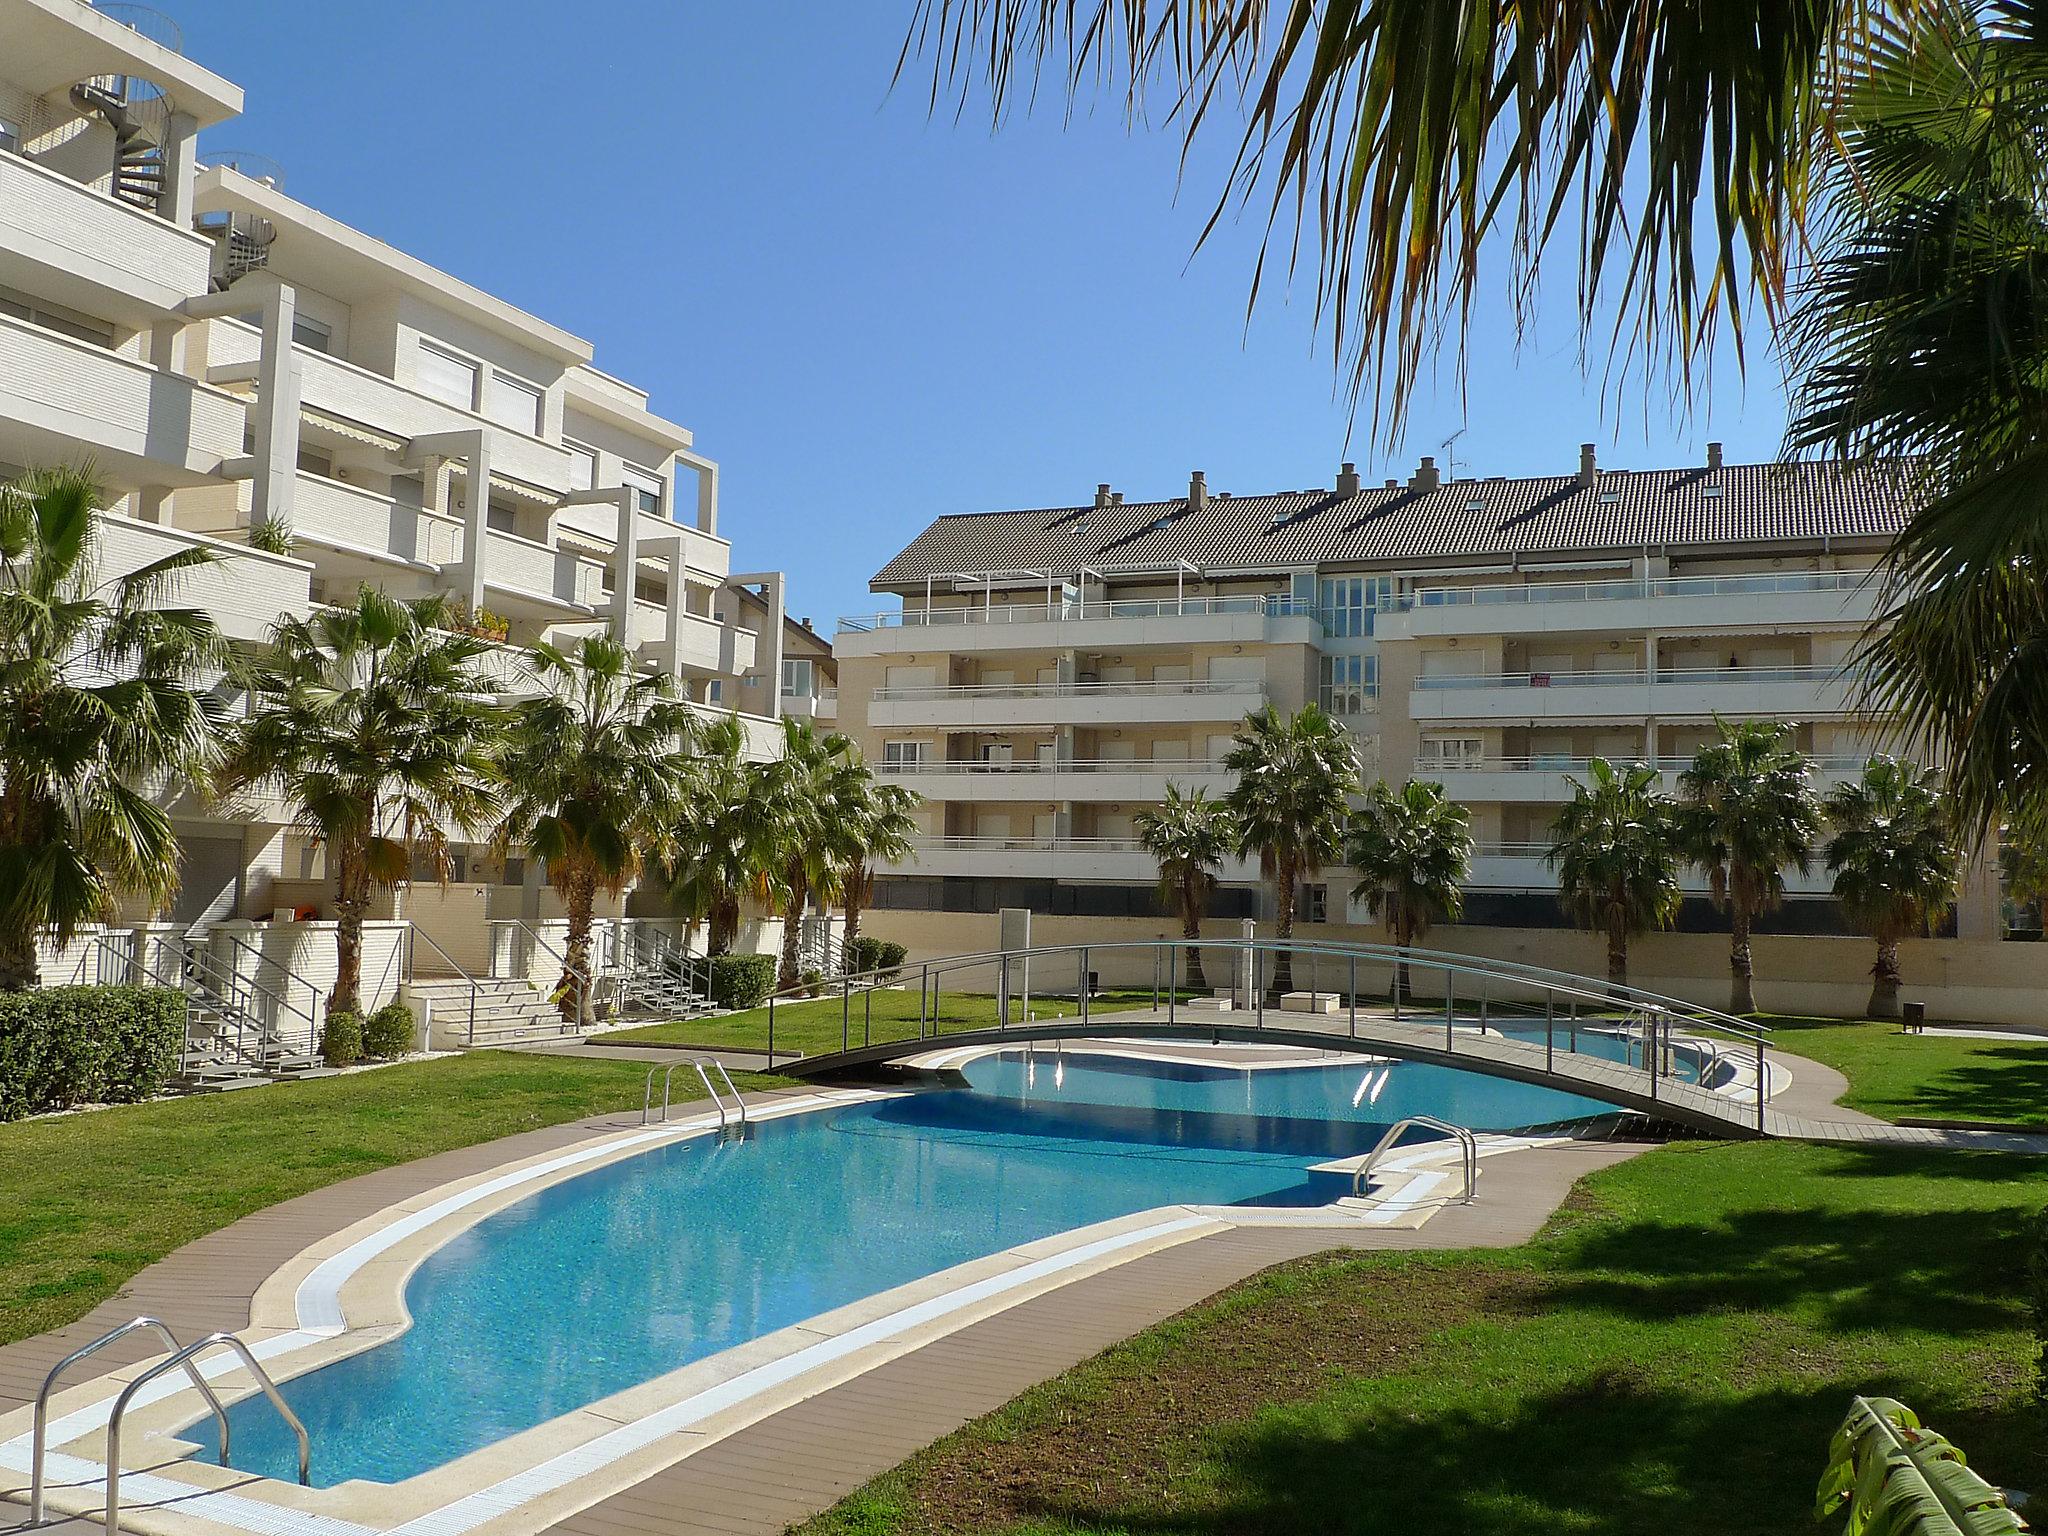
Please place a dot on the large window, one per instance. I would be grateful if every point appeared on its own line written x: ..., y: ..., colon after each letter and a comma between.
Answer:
x: 512, y: 402
x: 1347, y: 603
x: 1445, y: 752
x: 1348, y: 682
x: 446, y: 376
x: 313, y: 335
x: 796, y: 677
x: 902, y: 754
x: 646, y: 488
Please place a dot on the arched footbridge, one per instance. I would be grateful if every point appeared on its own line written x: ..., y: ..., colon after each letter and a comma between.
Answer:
x: 1636, y: 1050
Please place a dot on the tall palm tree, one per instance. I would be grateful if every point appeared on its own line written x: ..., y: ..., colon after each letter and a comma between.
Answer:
x: 1746, y: 814
x: 1294, y: 774
x: 594, y: 769
x: 879, y: 830
x: 1189, y: 835
x: 1615, y: 851
x: 720, y: 850
x: 802, y: 793
x: 375, y: 726
x: 1412, y: 848
x: 100, y: 707
x: 1894, y: 859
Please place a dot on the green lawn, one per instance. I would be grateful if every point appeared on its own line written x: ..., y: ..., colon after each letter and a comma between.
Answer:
x: 1930, y: 1077
x: 815, y: 1026
x: 1669, y: 1356
x: 87, y: 1200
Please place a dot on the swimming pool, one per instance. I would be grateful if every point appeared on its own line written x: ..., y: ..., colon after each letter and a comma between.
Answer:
x: 641, y: 1266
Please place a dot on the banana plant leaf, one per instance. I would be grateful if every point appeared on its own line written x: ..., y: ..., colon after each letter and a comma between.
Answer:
x: 1899, y: 1478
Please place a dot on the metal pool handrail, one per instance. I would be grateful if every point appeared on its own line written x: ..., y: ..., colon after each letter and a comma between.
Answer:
x: 40, y: 1443
x: 703, y: 1065
x: 185, y: 1357
x: 1468, y: 1146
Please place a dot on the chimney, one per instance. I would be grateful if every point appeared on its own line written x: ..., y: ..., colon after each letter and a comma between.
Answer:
x: 1713, y: 455
x: 1426, y: 477
x: 1347, y: 480
x: 1198, y: 491
x: 1102, y: 494
x: 1116, y: 498
x: 1392, y: 482
x: 1589, y: 464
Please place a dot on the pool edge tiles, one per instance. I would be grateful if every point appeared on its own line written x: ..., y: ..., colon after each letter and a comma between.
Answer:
x: 378, y: 1266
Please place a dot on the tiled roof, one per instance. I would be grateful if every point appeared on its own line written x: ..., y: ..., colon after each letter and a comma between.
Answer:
x: 1622, y: 510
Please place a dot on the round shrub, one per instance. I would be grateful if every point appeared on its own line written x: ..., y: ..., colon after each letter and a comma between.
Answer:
x: 741, y: 981
x: 389, y: 1032
x: 341, y: 1042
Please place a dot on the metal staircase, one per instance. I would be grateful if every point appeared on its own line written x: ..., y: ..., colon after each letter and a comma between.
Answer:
x: 652, y: 975
x: 140, y: 116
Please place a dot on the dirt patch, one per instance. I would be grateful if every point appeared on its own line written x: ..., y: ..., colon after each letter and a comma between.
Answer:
x: 1115, y: 1432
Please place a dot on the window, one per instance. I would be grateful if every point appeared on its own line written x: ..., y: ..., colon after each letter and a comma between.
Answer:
x: 445, y: 376
x: 796, y: 677
x: 646, y: 488
x: 65, y: 322
x: 1446, y: 752
x: 582, y: 466
x: 514, y: 403
x: 316, y: 461
x: 313, y: 335
x: 902, y: 754
x: 1348, y: 603
x: 714, y: 691
x: 501, y: 515
x: 1315, y: 904
x: 1348, y: 682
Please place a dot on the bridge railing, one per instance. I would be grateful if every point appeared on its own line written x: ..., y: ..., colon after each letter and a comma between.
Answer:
x: 1293, y: 986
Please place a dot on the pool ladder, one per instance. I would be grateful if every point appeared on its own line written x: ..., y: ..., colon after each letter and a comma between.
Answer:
x: 1468, y: 1150
x: 181, y: 1357
x: 734, y: 1118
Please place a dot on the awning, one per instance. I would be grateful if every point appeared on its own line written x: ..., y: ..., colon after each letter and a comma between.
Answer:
x: 355, y: 432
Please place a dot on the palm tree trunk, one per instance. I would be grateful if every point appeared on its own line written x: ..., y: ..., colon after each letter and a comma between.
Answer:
x: 351, y: 897
x: 1404, y: 984
x: 1741, y: 970
x: 19, y: 968
x: 580, y: 897
x: 793, y: 933
x: 1884, y: 981
x: 1191, y: 930
x: 856, y: 877
x: 723, y: 927
x: 1617, y: 953
x: 1283, y: 966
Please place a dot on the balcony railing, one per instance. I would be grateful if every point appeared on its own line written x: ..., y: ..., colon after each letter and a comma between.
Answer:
x: 1183, y: 687
x: 1270, y: 605
x: 1026, y: 843
x: 1626, y: 590
x: 1678, y: 675
x: 1426, y: 768
x: 1499, y: 850
x: 1165, y: 766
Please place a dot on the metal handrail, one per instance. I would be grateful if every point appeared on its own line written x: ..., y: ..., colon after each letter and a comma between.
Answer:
x: 1198, y: 686
x: 647, y: 1099
x: 1468, y: 1146
x: 1148, y: 765
x: 1824, y: 762
x: 1081, y: 610
x: 414, y: 931
x: 1638, y: 676
x: 703, y: 1065
x: 1624, y: 589
x: 184, y: 1357
x: 203, y: 935
x: 40, y: 1442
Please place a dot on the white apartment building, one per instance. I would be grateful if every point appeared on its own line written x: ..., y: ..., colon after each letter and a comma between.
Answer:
x: 1049, y: 671
x: 236, y: 365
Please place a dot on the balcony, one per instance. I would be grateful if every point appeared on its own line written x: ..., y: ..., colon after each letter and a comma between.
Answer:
x: 1114, y: 623
x: 1008, y: 705
x: 94, y: 252
x: 61, y: 400
x: 821, y: 707
x: 1798, y: 693
x: 244, y: 590
x: 354, y: 521
x: 702, y: 644
x: 1524, y: 866
x: 1104, y: 781
x: 1762, y: 601
x: 1547, y: 780
x: 1122, y: 859
x: 541, y: 577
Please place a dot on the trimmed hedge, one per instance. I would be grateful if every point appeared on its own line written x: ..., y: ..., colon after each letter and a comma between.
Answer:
x: 341, y: 1041
x: 867, y: 955
x: 741, y: 981
x: 61, y: 1046
x: 389, y: 1032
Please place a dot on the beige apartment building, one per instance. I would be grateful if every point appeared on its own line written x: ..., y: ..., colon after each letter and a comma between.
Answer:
x: 1048, y: 672
x: 247, y: 374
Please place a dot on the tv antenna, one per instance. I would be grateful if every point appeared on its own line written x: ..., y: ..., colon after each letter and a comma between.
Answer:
x: 1449, y: 449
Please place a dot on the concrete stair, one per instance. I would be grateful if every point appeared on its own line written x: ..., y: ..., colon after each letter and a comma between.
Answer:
x: 509, y: 1011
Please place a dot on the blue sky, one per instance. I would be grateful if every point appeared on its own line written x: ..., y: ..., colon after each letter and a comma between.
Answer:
x: 870, y: 317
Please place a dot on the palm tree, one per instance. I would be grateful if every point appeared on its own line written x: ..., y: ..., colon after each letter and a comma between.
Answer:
x: 1412, y: 849
x: 879, y: 830
x: 374, y: 725
x: 594, y: 771
x: 1190, y: 835
x: 1294, y: 773
x: 720, y: 849
x: 99, y: 709
x: 1894, y: 859
x: 1615, y: 851
x: 802, y: 794
x: 1747, y: 813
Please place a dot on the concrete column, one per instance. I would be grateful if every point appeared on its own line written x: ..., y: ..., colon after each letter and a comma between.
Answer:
x: 153, y: 504
x: 625, y: 562
x: 276, y: 410
x: 707, y: 492
x: 181, y: 168
x: 678, y: 602
x: 768, y: 648
x: 476, y: 514
x: 167, y: 345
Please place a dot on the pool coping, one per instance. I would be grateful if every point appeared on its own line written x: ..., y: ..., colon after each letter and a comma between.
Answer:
x: 343, y: 1293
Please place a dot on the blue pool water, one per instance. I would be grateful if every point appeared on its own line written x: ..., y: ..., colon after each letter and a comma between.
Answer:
x: 633, y: 1270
